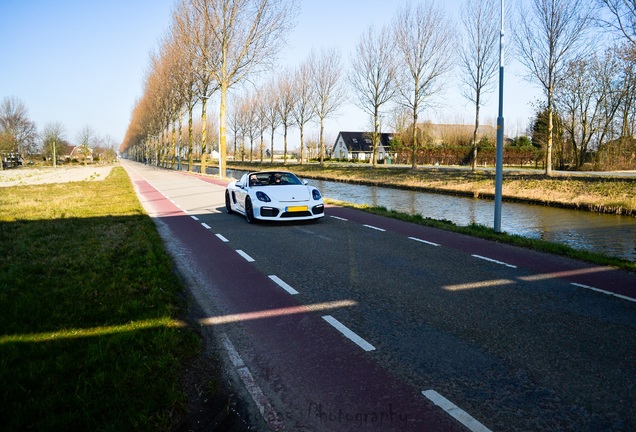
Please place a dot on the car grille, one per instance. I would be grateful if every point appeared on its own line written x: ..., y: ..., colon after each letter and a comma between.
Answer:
x: 294, y: 214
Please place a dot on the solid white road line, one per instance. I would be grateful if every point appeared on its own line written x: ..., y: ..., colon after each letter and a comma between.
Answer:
x: 222, y: 238
x: 373, y: 227
x: 424, y: 241
x: 348, y: 333
x: 457, y: 413
x: 494, y: 261
x: 604, y: 292
x: 244, y: 255
x: 283, y: 285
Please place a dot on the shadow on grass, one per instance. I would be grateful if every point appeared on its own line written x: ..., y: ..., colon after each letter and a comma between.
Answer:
x: 91, y: 336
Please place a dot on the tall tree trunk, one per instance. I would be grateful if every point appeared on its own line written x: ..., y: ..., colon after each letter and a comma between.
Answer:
x: 322, y: 142
x: 414, y: 155
x: 271, y: 147
x: 302, y: 143
x: 284, y: 144
x: 474, y: 164
x: 222, y: 131
x: 375, y: 140
x: 190, y: 144
x: 262, y: 145
x: 548, y: 149
x: 204, y: 134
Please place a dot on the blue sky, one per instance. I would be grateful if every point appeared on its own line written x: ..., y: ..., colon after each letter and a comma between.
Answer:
x: 82, y: 62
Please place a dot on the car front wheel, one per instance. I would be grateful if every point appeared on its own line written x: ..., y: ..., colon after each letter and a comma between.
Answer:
x: 249, y: 211
x: 228, y: 204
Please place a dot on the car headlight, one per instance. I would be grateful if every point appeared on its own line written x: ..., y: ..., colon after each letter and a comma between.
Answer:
x: 262, y: 196
x: 316, y: 194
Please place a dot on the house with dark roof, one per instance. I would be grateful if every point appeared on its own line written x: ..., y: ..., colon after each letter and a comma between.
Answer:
x: 359, y: 146
x: 78, y: 153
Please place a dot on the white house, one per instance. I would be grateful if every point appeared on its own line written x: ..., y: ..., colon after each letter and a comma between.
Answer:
x: 358, y: 146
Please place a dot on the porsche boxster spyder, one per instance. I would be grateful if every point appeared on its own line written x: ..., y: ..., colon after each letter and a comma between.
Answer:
x: 275, y: 196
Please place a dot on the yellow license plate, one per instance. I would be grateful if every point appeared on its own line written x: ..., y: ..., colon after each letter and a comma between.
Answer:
x: 297, y: 208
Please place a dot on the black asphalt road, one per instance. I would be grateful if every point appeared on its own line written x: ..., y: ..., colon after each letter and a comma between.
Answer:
x: 516, y: 340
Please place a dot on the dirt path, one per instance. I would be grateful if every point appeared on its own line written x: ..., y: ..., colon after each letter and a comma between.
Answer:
x: 31, y: 176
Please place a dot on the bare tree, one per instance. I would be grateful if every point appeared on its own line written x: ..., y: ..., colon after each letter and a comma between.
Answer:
x: 250, y: 121
x: 622, y: 17
x: 236, y: 123
x: 478, y: 55
x: 328, y: 90
x: 271, y: 111
x: 109, y: 154
x: 206, y: 53
x: 53, y: 140
x: 372, y: 76
x: 261, y: 121
x: 18, y: 132
x: 583, y: 100
x: 245, y: 36
x: 302, y: 110
x: 85, y: 139
x: 286, y: 102
x: 187, y: 90
x: 424, y: 45
x: 548, y: 37
x: 624, y: 91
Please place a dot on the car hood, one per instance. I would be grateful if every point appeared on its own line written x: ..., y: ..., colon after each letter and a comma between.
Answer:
x: 289, y: 193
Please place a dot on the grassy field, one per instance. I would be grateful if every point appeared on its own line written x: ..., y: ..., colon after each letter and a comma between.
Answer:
x: 92, y: 331
x: 585, y: 192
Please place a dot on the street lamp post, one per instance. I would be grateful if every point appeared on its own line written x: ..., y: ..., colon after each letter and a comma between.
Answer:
x: 500, y: 130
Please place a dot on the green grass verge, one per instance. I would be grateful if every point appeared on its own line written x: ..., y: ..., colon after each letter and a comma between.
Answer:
x: 487, y: 233
x: 91, y: 330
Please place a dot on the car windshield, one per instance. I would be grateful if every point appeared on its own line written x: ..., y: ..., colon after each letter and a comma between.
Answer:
x: 273, y: 179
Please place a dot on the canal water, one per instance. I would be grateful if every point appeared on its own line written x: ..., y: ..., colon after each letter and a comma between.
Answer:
x: 608, y: 234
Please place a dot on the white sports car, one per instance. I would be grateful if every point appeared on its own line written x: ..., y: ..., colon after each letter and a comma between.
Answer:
x: 273, y: 195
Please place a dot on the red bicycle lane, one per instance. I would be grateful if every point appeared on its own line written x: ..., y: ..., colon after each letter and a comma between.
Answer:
x: 312, y: 376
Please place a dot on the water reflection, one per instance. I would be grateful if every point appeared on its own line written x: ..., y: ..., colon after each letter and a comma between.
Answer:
x: 609, y: 234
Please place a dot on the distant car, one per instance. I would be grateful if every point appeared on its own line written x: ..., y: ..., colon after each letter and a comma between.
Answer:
x: 275, y: 196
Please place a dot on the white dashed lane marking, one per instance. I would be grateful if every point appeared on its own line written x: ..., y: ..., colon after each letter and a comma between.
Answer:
x: 374, y: 227
x: 283, y: 285
x: 454, y: 411
x: 348, y: 333
x: 494, y: 261
x: 244, y: 255
x: 424, y: 241
x: 604, y: 292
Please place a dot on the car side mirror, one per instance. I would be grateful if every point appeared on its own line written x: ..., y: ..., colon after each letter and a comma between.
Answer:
x: 305, y: 182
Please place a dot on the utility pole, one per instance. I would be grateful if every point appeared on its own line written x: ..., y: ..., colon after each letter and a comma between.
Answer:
x: 500, y: 130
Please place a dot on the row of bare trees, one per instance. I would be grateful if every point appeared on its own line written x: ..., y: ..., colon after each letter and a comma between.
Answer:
x: 190, y: 68
x: 212, y: 46
x: 312, y: 92
x: 19, y: 136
